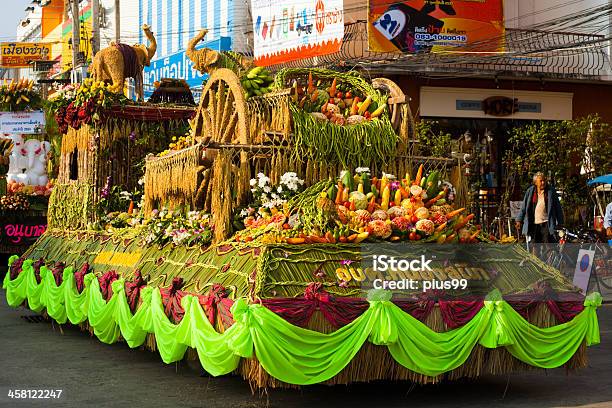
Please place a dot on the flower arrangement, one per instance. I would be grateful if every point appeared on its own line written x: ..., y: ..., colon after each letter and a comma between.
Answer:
x: 267, y: 196
x: 193, y: 228
x: 76, y: 106
x: 18, y: 95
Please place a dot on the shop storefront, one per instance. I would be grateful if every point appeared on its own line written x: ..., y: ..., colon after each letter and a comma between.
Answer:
x: 480, y: 122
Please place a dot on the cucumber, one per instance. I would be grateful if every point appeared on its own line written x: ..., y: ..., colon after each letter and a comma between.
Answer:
x: 365, y: 180
x: 347, y: 181
x: 432, y: 184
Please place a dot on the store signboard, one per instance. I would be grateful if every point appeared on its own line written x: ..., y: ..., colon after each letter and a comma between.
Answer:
x: 25, y: 123
x: 19, y: 55
x: 582, y: 273
x: 295, y: 29
x: 425, y: 25
x: 483, y: 103
x: 507, y: 106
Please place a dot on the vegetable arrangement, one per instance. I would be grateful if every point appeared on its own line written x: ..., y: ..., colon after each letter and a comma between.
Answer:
x: 357, y: 207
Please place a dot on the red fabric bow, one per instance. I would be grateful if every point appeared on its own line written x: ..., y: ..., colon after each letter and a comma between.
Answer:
x: 58, y: 271
x: 79, y: 277
x: 106, y: 282
x: 171, y: 298
x: 133, y: 288
x: 216, y: 303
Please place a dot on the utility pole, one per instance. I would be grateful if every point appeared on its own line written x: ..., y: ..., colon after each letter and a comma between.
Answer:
x: 76, y: 36
x: 95, y: 27
x: 117, y: 22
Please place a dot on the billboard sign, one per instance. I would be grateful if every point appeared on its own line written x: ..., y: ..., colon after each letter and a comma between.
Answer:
x: 295, y: 29
x: 426, y: 25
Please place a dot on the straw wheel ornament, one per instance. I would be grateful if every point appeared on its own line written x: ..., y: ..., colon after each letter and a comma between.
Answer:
x: 221, y: 115
x: 399, y: 110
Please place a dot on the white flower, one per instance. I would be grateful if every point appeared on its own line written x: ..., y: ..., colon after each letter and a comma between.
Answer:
x: 125, y: 195
x: 388, y: 176
x: 263, y: 181
x: 244, y: 213
x: 141, y: 181
x: 267, y: 189
x: 360, y: 170
x: 253, y: 182
x: 342, y: 173
x: 279, y: 189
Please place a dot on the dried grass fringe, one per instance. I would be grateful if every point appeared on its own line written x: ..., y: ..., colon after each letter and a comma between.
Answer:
x: 173, y: 179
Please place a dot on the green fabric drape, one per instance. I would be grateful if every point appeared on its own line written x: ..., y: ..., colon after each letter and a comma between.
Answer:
x: 293, y: 354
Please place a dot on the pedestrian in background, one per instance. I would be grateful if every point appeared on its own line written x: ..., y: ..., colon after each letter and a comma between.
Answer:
x: 541, y: 213
x: 608, y: 220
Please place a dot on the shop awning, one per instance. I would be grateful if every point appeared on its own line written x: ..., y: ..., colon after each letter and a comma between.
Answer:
x: 607, y: 179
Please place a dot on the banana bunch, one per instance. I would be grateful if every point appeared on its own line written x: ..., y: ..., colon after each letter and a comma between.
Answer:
x: 256, y: 82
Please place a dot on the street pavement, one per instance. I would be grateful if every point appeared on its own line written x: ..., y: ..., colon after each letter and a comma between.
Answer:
x: 38, y: 355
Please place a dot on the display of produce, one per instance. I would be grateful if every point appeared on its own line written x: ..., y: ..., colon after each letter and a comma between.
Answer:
x: 358, y: 207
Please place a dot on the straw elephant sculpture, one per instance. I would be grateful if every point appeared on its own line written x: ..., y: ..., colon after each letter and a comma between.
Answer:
x: 119, y: 61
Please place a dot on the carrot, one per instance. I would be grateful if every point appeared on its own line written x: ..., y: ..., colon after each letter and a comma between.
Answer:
x: 342, y: 239
x: 436, y: 198
x: 311, y: 86
x: 464, y: 222
x: 330, y: 237
x: 332, y: 89
x: 454, y: 213
x: 450, y: 238
x: 339, y: 194
x: 372, y: 204
x: 441, y: 227
x: 314, y: 96
x: 351, y: 238
x: 295, y: 241
x: 317, y: 240
x: 474, y: 235
x: 419, y: 174
x: 131, y: 207
x: 404, y: 192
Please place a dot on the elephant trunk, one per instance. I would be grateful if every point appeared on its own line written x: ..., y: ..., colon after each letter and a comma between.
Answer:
x: 152, y: 48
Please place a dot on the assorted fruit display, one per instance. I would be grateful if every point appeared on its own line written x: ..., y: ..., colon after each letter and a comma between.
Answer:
x: 14, y: 187
x: 357, y: 207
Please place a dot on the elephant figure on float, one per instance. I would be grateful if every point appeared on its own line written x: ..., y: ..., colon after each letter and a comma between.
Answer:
x: 119, y: 61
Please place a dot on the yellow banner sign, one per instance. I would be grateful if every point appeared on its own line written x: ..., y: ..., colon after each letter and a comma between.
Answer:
x: 129, y: 259
x: 19, y: 55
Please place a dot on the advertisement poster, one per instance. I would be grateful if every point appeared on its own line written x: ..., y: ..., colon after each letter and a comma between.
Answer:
x: 582, y: 273
x: 428, y: 26
x: 25, y: 123
x: 295, y: 29
x: 19, y: 55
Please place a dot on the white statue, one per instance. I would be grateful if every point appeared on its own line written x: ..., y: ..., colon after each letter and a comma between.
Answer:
x: 36, y: 170
x: 28, y: 161
x: 17, y: 160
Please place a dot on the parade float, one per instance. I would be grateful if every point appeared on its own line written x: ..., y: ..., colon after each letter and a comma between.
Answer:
x: 244, y: 250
